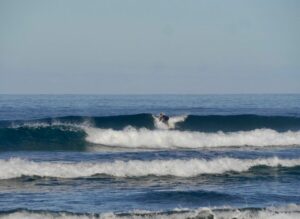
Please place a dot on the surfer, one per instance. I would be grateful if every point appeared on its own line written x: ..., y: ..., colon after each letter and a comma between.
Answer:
x: 163, y: 118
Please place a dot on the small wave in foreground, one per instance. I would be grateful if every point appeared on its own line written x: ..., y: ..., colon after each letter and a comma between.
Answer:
x: 291, y: 211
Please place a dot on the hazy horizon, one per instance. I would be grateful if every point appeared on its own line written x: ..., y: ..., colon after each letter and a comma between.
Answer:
x: 149, y: 47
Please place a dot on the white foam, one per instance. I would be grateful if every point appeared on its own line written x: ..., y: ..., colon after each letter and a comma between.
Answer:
x: 33, y: 125
x: 290, y: 211
x: 145, y: 138
x: 171, y: 124
x: 16, y: 167
x: 229, y: 213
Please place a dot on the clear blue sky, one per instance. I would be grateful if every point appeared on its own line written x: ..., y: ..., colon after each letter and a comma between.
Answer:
x: 155, y: 46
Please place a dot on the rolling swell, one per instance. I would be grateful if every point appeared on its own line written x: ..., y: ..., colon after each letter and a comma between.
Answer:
x: 78, y: 133
x: 46, y: 138
x: 234, y: 123
x: 198, y: 196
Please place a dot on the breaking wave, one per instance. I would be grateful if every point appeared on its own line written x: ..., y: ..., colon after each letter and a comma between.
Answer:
x: 16, y: 167
x: 144, y: 138
x: 146, y: 131
x: 171, y: 124
x: 208, y: 123
x: 291, y: 211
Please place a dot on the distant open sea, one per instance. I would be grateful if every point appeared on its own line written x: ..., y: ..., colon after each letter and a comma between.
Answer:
x: 108, y: 156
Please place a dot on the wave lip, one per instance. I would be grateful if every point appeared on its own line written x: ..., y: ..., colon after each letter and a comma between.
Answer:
x: 16, y: 167
x: 203, y: 123
x: 145, y: 138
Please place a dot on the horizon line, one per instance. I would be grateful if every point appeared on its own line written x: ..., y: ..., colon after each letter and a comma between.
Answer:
x: 147, y: 94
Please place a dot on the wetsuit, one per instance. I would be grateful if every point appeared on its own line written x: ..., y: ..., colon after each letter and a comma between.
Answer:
x: 164, y: 118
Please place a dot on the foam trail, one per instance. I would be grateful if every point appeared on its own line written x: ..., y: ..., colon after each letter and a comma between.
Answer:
x: 171, y: 123
x: 15, y: 167
x: 54, y: 124
x: 144, y: 138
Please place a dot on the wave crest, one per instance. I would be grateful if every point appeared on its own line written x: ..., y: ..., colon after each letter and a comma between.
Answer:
x: 145, y: 131
x: 145, y: 138
x: 16, y: 167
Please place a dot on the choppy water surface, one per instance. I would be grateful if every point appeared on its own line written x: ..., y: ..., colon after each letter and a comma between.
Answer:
x: 88, y: 156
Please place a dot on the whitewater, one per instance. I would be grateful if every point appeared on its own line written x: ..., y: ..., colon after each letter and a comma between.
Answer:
x: 144, y: 138
x: 16, y: 167
x: 290, y: 211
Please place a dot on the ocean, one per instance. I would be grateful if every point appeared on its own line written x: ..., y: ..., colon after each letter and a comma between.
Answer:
x: 108, y: 156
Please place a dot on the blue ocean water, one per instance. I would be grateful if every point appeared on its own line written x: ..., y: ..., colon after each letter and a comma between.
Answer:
x: 104, y: 156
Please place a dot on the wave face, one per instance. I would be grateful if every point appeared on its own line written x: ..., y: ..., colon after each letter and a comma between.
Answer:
x: 291, y: 211
x: 41, y: 136
x: 144, y: 130
x: 209, y: 123
x: 16, y: 167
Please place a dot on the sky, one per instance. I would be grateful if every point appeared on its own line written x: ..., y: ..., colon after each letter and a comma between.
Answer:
x: 149, y: 47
